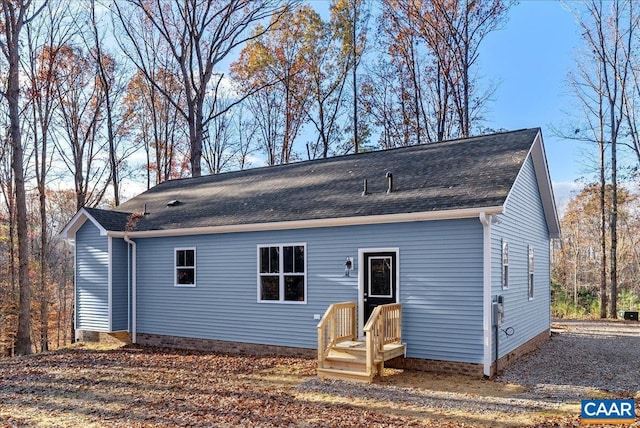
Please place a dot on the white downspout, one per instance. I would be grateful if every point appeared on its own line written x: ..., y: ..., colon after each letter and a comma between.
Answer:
x: 486, y: 291
x: 134, y: 275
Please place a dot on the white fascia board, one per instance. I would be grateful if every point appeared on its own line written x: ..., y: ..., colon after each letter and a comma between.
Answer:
x: 544, y: 184
x: 539, y: 159
x: 69, y: 231
x: 110, y: 280
x: 306, y: 224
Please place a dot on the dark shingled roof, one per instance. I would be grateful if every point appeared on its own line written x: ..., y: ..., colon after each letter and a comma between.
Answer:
x: 110, y: 220
x: 473, y: 172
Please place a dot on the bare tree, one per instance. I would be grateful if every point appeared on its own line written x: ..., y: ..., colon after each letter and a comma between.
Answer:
x: 276, y: 63
x: 246, y: 129
x: 44, y: 36
x: 453, y: 32
x: 156, y: 126
x: 106, y: 71
x: 350, y: 19
x: 328, y: 66
x: 8, y: 274
x: 609, y: 35
x: 15, y: 17
x: 80, y: 117
x: 198, y: 34
x: 383, y: 100
x: 61, y: 207
x: 404, y: 56
x: 220, y: 144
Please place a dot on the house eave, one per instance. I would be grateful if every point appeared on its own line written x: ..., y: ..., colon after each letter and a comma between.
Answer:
x: 543, y: 178
x: 69, y: 231
x: 546, y: 189
x: 314, y: 223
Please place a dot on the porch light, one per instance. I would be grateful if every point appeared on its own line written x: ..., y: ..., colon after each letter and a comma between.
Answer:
x: 348, y: 266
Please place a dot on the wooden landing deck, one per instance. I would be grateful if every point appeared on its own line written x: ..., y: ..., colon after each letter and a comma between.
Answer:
x: 342, y: 356
x: 347, y: 360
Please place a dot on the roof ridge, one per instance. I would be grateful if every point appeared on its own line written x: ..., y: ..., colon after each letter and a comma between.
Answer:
x: 338, y: 157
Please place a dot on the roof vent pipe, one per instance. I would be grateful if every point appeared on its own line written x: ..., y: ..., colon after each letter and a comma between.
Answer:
x: 144, y: 209
x: 365, y: 191
x: 390, y: 181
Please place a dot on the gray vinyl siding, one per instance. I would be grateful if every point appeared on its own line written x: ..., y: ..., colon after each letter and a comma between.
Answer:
x: 440, y: 264
x: 119, y: 285
x: 523, y: 224
x: 92, y: 291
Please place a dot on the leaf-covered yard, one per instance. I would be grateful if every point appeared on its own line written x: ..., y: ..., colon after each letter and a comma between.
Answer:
x: 130, y: 386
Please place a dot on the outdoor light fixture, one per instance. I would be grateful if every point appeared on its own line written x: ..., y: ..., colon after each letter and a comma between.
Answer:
x: 348, y: 266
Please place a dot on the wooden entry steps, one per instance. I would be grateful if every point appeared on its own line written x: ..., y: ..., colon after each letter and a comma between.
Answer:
x: 347, y: 360
x: 341, y: 356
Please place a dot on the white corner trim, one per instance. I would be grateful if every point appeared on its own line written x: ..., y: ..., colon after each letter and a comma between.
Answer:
x: 134, y: 298
x: 110, y: 280
x: 75, y: 292
x: 486, y: 291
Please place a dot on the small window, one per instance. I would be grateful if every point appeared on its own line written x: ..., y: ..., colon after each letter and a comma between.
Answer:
x: 282, y: 273
x: 185, y: 267
x: 531, y: 266
x: 505, y: 264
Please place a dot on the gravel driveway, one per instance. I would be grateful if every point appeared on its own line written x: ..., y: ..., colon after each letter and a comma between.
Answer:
x: 582, y: 359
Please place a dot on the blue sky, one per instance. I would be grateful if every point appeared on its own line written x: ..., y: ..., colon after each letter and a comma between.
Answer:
x: 529, y: 59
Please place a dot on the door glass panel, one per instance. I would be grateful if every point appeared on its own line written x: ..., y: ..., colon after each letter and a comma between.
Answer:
x: 380, y: 277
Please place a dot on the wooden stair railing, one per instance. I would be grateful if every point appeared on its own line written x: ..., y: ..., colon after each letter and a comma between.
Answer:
x: 342, y: 356
x: 337, y: 324
x: 384, y: 327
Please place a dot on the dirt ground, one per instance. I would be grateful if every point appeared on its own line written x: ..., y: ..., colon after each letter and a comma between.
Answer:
x: 93, y: 386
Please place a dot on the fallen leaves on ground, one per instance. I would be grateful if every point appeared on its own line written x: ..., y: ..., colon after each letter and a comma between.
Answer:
x: 152, y: 387
x: 158, y: 387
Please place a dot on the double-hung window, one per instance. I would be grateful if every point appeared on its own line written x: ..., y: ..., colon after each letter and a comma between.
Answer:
x: 530, y: 270
x: 185, y: 267
x: 505, y: 264
x: 282, y: 273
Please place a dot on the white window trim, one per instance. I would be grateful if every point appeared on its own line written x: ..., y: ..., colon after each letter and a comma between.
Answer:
x: 175, y: 267
x: 504, y: 275
x: 281, y: 274
x: 531, y: 263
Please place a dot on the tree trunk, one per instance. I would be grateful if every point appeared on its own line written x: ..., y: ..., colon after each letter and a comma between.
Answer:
x: 603, y: 236
x: 23, y: 338
x: 195, y: 141
x: 614, y: 232
x: 44, y: 300
x: 465, y: 75
x: 603, y: 214
x: 72, y: 319
x: 112, y: 148
x: 354, y: 52
x: 107, y: 93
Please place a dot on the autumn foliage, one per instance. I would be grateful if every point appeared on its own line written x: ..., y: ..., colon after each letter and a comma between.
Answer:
x: 576, y: 259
